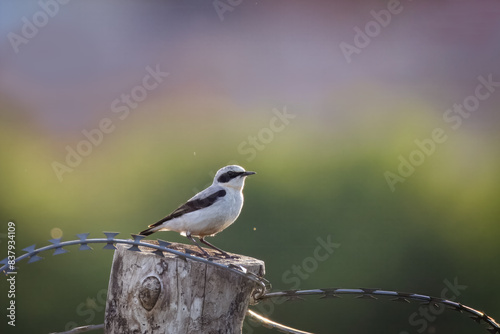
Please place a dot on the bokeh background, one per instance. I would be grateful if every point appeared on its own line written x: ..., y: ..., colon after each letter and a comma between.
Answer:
x: 232, y: 68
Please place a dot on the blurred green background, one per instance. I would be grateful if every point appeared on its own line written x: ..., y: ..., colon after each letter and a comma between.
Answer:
x: 321, y: 171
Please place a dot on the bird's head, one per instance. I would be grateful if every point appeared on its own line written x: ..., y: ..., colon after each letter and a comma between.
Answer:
x: 232, y: 176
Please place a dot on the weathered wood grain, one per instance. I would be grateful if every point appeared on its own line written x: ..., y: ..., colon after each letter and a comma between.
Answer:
x: 151, y: 294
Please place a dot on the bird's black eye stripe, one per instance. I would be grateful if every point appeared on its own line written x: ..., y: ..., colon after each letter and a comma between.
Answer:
x: 227, y: 176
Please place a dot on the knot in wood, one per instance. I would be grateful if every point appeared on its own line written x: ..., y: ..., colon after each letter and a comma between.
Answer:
x: 149, y: 292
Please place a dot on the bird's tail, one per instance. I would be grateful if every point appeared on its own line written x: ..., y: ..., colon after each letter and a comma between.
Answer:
x: 149, y: 231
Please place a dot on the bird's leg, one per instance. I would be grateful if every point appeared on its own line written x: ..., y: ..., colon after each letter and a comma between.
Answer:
x: 188, y: 235
x: 216, y: 248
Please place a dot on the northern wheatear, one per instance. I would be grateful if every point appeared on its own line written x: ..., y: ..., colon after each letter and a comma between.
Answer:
x: 210, y: 211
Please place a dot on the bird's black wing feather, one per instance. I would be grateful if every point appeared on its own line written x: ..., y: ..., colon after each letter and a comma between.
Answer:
x: 191, y: 206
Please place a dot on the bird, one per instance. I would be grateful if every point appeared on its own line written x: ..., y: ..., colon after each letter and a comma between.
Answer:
x: 208, y: 212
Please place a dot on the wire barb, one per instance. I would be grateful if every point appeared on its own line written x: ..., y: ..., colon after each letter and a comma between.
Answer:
x: 110, y: 236
x: 137, y: 242
x: 83, y: 245
x: 58, y: 250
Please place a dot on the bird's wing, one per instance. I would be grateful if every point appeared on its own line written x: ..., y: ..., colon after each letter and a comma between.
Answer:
x: 198, y: 202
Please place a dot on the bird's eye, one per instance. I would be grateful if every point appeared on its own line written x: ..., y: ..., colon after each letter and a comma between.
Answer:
x: 226, y: 177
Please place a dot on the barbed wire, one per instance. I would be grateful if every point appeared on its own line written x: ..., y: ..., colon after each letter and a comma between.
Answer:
x: 110, y: 241
x: 263, y: 287
x: 405, y: 297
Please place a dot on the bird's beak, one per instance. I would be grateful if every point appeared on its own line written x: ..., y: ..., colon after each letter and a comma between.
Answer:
x: 248, y: 173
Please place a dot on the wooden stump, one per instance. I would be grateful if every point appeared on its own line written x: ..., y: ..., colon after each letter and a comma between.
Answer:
x: 151, y: 294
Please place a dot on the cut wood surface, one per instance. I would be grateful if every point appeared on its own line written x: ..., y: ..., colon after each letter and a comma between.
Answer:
x: 148, y: 293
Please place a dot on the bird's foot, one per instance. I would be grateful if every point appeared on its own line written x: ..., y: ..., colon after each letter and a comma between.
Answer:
x: 228, y: 256
x: 203, y: 253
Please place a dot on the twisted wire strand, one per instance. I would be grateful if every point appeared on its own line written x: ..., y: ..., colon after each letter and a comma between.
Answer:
x: 272, y: 324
